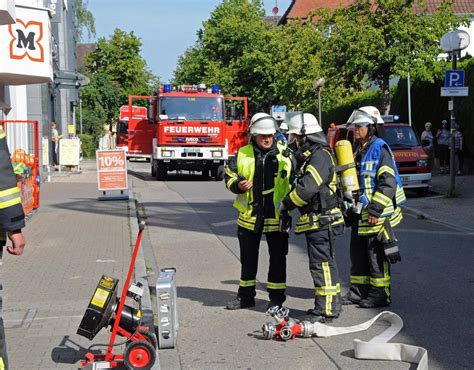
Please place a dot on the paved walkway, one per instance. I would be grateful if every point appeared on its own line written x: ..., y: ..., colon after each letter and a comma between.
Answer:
x: 456, y: 211
x: 71, y: 241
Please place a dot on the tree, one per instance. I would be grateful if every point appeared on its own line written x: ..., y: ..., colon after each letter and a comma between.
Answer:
x: 84, y: 19
x: 232, y: 51
x: 119, y: 58
x: 116, y: 70
x: 375, y: 41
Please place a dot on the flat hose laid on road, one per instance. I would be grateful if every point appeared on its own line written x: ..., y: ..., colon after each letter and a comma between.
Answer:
x: 377, y: 348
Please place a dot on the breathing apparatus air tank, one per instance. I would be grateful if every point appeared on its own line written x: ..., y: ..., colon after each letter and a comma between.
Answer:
x: 345, y: 160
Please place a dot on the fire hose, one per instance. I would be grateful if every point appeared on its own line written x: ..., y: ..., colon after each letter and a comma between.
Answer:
x: 285, y: 328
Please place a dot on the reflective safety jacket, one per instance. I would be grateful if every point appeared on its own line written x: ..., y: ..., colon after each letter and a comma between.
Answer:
x: 381, y: 186
x: 315, y: 194
x: 11, y: 211
x: 270, y: 172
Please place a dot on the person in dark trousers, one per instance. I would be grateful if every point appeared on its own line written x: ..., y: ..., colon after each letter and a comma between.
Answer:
x: 458, y: 143
x: 260, y: 175
x: 443, y: 138
x: 373, y: 242
x: 12, y: 220
x: 316, y: 197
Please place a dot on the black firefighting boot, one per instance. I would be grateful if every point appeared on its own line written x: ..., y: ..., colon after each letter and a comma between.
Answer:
x: 314, y: 316
x: 240, y: 302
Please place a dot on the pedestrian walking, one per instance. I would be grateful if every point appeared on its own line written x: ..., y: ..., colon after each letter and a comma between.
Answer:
x: 427, y: 143
x: 55, y: 143
x: 12, y: 220
x: 105, y: 142
x: 316, y: 197
x: 260, y: 175
x: 443, y: 138
x: 373, y: 242
x: 458, y: 147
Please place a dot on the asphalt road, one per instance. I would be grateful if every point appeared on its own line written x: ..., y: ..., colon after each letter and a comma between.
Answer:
x: 191, y: 226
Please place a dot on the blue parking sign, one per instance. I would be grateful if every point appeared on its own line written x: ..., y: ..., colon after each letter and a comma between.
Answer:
x: 454, y: 78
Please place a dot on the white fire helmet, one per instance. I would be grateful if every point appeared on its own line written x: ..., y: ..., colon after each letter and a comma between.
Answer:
x: 284, y: 126
x: 303, y: 124
x: 262, y: 124
x: 365, y: 116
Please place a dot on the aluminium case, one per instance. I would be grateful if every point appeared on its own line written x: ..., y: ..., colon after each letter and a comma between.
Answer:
x: 166, y: 298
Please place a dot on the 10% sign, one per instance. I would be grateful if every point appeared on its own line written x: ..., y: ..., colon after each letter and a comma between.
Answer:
x: 111, y: 170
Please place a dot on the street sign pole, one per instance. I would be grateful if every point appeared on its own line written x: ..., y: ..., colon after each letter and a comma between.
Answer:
x: 453, y: 123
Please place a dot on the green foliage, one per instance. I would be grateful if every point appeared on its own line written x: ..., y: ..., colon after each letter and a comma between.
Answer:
x: 88, y: 146
x: 231, y: 51
x: 84, y: 19
x: 428, y: 105
x: 383, y: 40
x: 116, y: 70
x: 119, y: 58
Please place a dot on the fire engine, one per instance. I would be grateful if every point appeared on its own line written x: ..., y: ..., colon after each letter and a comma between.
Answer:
x: 134, y: 134
x: 195, y: 129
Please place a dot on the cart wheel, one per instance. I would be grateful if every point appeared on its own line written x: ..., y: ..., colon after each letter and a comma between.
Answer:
x: 139, y: 355
x: 149, y: 336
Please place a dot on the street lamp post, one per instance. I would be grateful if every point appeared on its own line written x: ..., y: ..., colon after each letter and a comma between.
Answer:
x: 318, y: 85
x: 452, y: 43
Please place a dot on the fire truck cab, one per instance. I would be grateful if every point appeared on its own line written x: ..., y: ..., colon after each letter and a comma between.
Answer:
x: 197, y: 129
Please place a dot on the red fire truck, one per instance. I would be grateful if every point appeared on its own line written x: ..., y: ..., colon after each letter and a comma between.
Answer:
x: 196, y: 129
x: 134, y: 133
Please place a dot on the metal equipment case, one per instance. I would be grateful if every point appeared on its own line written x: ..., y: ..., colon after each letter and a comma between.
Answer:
x: 167, y: 313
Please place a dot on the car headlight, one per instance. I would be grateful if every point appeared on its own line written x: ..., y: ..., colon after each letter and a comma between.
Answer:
x: 422, y: 163
x: 167, y: 153
x: 217, y: 154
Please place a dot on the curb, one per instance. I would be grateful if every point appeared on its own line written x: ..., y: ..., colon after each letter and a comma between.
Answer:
x: 423, y: 215
x: 140, y: 267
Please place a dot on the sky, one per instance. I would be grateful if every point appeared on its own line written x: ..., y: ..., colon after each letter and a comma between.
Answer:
x: 166, y: 27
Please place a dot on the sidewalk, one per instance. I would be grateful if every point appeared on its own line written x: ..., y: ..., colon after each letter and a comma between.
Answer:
x: 71, y: 241
x: 456, y: 211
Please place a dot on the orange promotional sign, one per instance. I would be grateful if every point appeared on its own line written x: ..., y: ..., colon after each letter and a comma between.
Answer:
x: 111, y: 170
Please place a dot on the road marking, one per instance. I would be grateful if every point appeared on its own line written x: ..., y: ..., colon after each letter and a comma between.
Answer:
x: 105, y: 261
x: 44, y: 318
x: 223, y: 223
x: 433, y: 232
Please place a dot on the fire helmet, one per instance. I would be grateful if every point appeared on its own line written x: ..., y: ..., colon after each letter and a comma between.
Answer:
x: 303, y: 124
x: 364, y: 116
x: 262, y: 124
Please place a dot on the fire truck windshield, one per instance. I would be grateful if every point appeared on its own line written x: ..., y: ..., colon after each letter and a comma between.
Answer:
x: 192, y: 108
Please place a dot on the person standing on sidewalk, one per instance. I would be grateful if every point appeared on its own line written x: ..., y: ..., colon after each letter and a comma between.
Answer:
x: 55, y: 143
x: 260, y: 175
x: 458, y: 142
x: 316, y: 197
x: 12, y: 220
x: 443, y: 137
x: 427, y: 143
x: 373, y: 242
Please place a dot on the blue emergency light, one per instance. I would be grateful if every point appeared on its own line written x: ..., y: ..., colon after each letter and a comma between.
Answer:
x: 166, y: 88
x: 396, y: 117
x: 215, y: 89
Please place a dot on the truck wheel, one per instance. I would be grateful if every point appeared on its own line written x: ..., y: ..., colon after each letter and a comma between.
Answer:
x: 422, y: 192
x: 161, y: 171
x: 220, y: 173
x: 154, y: 166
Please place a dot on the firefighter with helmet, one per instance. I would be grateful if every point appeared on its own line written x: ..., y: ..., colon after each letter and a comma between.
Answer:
x: 260, y: 175
x: 12, y: 220
x: 316, y: 197
x: 373, y: 242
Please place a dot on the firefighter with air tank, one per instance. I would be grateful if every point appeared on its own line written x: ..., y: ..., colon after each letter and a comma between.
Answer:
x: 373, y: 242
x: 315, y: 196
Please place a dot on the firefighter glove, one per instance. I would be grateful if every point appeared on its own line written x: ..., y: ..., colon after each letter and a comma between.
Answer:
x: 392, y: 252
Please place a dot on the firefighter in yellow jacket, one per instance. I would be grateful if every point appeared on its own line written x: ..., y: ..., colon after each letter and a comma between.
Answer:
x: 12, y: 220
x: 373, y: 242
x: 316, y: 197
x: 260, y: 176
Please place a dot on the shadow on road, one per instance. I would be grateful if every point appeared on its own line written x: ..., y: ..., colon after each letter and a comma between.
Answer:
x: 69, y: 352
